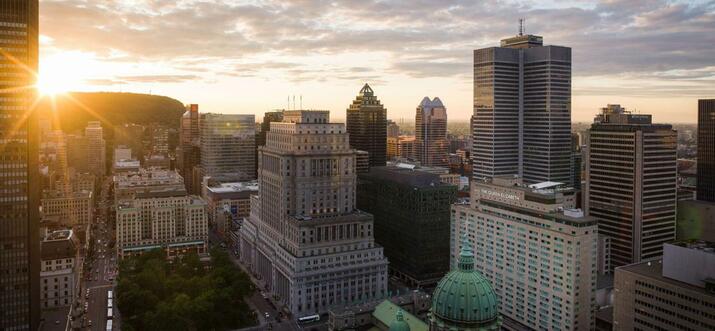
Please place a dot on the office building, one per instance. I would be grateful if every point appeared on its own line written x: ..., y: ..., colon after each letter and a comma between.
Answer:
x: 228, y: 143
x: 72, y: 208
x: 706, y: 150
x: 188, y: 152
x: 96, y: 148
x: 411, y: 211
x: 159, y: 140
x: 77, y: 153
x: 431, y: 145
x: 311, y: 247
x: 401, y: 147
x: 522, y: 111
x: 534, y: 247
x: 366, y: 122
x: 59, y: 274
x: 145, y: 183
x: 393, y: 130
x: 234, y: 197
x: 362, y: 162
x: 696, y: 220
x: 677, y: 293
x: 19, y: 177
x: 268, y: 118
x: 631, y: 183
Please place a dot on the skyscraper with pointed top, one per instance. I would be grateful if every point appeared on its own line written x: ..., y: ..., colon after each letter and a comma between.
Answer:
x: 366, y: 122
x: 431, y: 145
x: 19, y: 178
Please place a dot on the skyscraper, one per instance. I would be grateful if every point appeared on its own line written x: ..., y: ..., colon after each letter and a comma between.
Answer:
x: 522, y: 111
x: 431, y: 145
x: 706, y: 150
x: 19, y: 180
x: 305, y: 238
x: 96, y: 148
x: 631, y: 184
x: 189, y: 155
x: 228, y: 142
x: 268, y: 118
x: 366, y: 122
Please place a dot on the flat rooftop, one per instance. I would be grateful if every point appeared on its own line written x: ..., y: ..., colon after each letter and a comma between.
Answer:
x: 654, y: 270
x: 406, y: 176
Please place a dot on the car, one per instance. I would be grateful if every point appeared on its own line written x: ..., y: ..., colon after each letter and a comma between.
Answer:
x: 267, y: 316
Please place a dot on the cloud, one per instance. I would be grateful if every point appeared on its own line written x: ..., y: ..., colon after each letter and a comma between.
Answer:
x: 418, y: 38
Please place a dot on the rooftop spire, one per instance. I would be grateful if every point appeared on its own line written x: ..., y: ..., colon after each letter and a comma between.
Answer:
x: 366, y: 90
x: 466, y: 256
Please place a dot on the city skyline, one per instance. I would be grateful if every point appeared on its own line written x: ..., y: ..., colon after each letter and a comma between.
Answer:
x: 624, y: 52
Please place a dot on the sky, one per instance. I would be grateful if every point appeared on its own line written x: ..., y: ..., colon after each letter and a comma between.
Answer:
x: 252, y: 56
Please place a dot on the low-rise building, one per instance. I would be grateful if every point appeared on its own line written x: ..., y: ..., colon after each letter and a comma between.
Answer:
x: 72, y: 208
x: 147, y: 182
x: 58, y: 273
x: 677, y: 293
x: 232, y: 196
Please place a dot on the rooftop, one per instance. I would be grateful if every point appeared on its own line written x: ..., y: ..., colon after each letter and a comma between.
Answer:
x: 406, y: 175
x: 654, y: 270
x: 59, y: 244
x: 231, y: 187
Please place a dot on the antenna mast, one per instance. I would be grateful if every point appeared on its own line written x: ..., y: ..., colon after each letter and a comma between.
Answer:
x: 521, y: 26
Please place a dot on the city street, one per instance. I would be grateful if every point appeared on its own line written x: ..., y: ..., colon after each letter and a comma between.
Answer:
x: 100, y: 268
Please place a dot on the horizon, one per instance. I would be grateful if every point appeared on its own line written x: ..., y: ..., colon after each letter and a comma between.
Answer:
x: 653, y: 57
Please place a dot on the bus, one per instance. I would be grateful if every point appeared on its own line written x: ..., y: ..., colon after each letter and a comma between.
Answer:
x: 109, y: 325
x: 310, y: 318
x: 109, y: 313
x: 109, y: 294
x: 109, y: 303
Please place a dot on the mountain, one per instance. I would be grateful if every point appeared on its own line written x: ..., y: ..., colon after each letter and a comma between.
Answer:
x: 73, y: 110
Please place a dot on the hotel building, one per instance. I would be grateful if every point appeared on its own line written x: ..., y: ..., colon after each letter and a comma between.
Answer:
x: 538, y: 252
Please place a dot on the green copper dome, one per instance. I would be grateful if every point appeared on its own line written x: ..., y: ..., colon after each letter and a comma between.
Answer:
x: 399, y: 324
x: 464, y: 297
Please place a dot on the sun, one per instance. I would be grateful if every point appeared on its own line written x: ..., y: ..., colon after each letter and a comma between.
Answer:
x: 62, y: 72
x: 50, y: 84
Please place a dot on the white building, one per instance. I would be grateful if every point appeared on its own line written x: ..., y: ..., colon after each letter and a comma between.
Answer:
x: 304, y: 238
x: 538, y: 253
x: 145, y: 182
x: 58, y: 273
x: 72, y: 208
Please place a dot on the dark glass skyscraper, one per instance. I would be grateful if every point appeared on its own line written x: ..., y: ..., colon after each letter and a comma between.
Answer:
x: 431, y: 145
x: 522, y: 111
x: 366, y: 122
x: 189, y: 154
x: 19, y: 194
x: 706, y: 150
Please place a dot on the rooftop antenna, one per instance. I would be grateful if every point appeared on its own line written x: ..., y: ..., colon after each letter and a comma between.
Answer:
x: 288, y: 107
x: 293, y: 101
x: 301, y: 101
x: 521, y: 26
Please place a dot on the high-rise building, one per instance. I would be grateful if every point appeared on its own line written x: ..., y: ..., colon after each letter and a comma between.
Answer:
x: 401, y: 147
x: 160, y: 140
x: 188, y: 153
x: 305, y: 238
x: 366, y: 122
x: 431, y: 145
x: 96, y: 148
x: 268, y: 118
x: 677, y: 293
x: 411, y: 210
x: 228, y: 144
x: 522, y: 111
x: 19, y: 178
x: 393, y: 130
x: 535, y: 248
x: 631, y: 183
x: 706, y: 150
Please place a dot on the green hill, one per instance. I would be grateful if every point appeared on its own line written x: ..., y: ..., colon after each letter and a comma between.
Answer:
x: 75, y: 109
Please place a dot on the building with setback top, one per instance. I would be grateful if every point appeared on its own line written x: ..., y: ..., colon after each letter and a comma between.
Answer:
x: 366, y: 122
x: 631, y: 183
x: 19, y: 177
x: 305, y: 238
x: 522, y: 111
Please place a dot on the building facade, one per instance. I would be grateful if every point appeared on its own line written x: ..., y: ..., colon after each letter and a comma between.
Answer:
x: 19, y: 177
x: 72, y: 208
x: 188, y: 152
x: 366, y: 122
x: 401, y: 147
x: 234, y: 197
x: 536, y: 250
x: 177, y: 223
x: 677, y: 293
x: 305, y: 238
x: 431, y: 145
x: 706, y: 150
x: 631, y: 183
x: 522, y: 111
x: 59, y: 273
x: 96, y: 148
x: 146, y: 182
x: 228, y: 143
x: 412, y: 211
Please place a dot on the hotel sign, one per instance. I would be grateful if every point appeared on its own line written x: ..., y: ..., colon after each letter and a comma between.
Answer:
x: 496, y: 194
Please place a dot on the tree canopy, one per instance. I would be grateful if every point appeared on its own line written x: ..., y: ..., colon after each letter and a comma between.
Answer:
x: 155, y: 294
